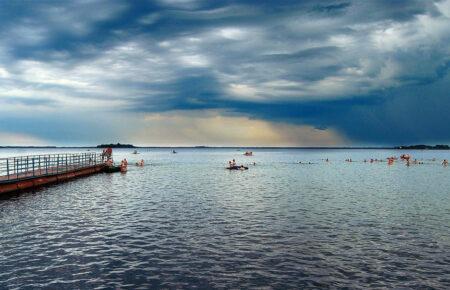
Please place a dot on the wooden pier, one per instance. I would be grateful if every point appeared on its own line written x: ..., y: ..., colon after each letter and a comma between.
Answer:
x: 26, y: 172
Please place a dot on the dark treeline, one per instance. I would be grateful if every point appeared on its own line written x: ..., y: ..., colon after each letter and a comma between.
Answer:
x: 118, y: 145
x: 425, y: 147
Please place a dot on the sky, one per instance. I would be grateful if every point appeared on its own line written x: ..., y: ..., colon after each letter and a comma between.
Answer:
x: 225, y: 73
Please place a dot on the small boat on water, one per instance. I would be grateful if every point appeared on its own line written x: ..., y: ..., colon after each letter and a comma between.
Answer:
x: 242, y: 167
x: 135, y: 152
x: 248, y: 153
x: 112, y: 169
x: 174, y: 152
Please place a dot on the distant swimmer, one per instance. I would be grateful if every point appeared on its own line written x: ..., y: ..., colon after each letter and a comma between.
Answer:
x: 405, y: 157
x: 445, y: 162
x: 390, y: 160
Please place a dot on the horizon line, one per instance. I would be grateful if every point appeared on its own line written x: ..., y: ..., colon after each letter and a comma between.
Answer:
x: 406, y: 147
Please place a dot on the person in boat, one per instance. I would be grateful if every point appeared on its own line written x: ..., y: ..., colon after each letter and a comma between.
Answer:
x: 233, y: 163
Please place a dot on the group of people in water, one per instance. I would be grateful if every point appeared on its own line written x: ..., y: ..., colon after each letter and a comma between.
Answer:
x: 108, y: 160
x: 406, y: 158
x: 123, y: 164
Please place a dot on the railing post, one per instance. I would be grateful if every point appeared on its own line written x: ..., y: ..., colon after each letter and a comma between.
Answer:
x: 32, y: 161
x: 7, y: 167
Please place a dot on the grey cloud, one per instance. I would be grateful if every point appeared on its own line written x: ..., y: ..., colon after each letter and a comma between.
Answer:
x: 226, y: 55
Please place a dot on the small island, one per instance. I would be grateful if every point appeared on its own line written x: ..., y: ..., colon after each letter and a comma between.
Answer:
x: 424, y: 147
x: 118, y: 145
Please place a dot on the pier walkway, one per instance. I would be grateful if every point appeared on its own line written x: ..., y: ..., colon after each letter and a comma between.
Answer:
x: 23, y: 172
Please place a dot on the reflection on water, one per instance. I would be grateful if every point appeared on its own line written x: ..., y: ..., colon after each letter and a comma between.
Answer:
x: 185, y: 221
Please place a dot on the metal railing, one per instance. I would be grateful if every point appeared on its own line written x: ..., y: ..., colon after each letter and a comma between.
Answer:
x: 13, y: 168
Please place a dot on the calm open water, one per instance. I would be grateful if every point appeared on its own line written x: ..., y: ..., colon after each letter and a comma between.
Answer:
x: 183, y: 221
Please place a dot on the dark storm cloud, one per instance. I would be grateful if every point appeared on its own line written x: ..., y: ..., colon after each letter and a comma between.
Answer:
x: 344, y: 65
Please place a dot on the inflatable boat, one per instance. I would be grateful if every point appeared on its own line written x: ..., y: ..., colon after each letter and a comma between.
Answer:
x: 237, y: 168
x: 112, y: 169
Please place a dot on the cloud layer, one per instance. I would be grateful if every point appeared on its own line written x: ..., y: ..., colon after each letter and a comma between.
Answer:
x: 367, y: 72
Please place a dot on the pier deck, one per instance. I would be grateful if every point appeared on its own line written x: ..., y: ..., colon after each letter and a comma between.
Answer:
x: 24, y: 172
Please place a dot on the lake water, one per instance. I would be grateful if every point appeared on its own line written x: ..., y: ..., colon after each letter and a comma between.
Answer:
x: 183, y: 221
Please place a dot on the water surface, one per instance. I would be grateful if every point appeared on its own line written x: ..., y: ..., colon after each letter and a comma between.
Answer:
x: 183, y: 221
